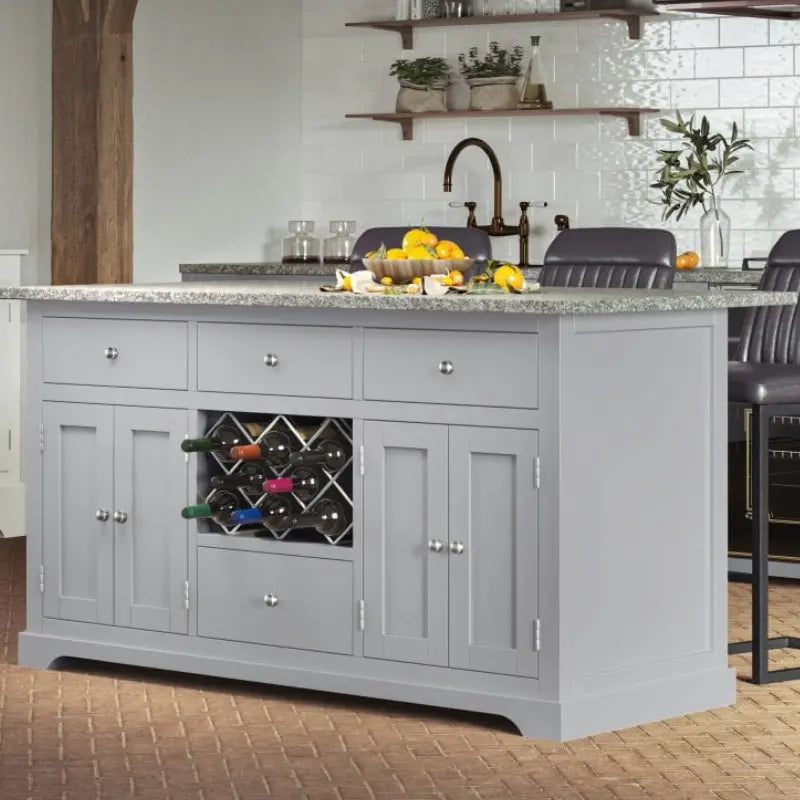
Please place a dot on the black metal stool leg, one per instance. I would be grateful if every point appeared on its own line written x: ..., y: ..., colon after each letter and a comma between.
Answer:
x: 761, y: 644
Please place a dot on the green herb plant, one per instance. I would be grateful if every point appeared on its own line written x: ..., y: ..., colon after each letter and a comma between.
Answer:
x: 496, y: 63
x: 691, y: 175
x: 429, y: 73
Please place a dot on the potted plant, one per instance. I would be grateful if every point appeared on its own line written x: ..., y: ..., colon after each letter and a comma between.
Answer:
x: 493, y: 80
x: 693, y: 175
x: 423, y: 82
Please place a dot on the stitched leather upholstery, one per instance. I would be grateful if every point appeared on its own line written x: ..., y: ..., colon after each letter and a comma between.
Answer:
x: 475, y: 243
x: 616, y: 258
x: 767, y: 366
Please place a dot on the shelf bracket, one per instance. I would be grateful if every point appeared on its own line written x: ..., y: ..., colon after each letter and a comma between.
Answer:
x: 633, y: 21
x: 406, y: 31
x: 633, y: 118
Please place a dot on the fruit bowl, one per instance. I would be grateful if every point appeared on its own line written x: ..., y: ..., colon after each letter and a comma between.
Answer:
x: 405, y: 269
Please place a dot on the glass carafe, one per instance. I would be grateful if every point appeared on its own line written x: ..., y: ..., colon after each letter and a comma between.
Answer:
x: 534, y: 94
x: 301, y: 247
x: 339, y: 247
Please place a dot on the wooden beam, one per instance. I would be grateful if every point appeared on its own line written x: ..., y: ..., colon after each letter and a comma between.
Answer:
x: 92, y: 214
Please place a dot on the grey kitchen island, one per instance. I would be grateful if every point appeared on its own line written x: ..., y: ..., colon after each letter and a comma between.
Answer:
x: 531, y: 513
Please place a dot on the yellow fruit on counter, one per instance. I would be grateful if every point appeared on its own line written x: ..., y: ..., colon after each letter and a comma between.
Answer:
x: 347, y: 283
x: 396, y: 254
x: 421, y: 252
x: 386, y: 280
x: 419, y: 236
x: 457, y: 277
x: 417, y: 281
x: 508, y: 275
x: 687, y: 260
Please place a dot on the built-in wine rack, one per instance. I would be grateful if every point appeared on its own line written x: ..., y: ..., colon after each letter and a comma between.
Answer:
x: 332, y: 488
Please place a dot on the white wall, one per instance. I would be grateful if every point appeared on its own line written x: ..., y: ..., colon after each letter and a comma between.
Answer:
x: 217, y: 103
x: 731, y: 69
x: 25, y: 60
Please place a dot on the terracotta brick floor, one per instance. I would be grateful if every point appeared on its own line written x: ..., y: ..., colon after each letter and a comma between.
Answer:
x: 93, y: 731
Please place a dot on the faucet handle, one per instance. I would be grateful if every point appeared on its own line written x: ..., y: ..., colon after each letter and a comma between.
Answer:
x: 533, y: 204
x: 470, y: 206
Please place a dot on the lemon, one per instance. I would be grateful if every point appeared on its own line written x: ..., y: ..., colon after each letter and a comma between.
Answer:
x: 509, y: 275
x: 457, y: 276
x: 416, y: 281
x: 347, y: 283
x: 396, y: 254
x: 421, y: 252
x: 386, y: 280
x: 419, y: 236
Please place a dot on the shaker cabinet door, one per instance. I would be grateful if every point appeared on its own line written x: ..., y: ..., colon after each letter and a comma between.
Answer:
x: 405, y: 521
x: 78, y: 493
x: 493, y: 550
x: 150, y: 474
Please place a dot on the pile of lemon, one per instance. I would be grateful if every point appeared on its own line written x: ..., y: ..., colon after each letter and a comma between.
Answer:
x: 420, y: 243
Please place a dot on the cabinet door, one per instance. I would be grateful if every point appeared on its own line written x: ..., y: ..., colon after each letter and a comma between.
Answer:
x: 493, y: 581
x: 405, y: 508
x: 9, y: 390
x: 78, y: 546
x: 151, y: 544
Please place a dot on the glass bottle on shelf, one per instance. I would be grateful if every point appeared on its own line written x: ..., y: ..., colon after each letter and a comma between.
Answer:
x: 534, y: 93
x: 302, y: 481
x: 220, y: 508
x: 275, y: 509
x: 301, y: 247
x: 221, y: 440
x: 329, y: 454
x: 327, y: 517
x: 249, y: 477
x: 275, y: 448
x: 339, y: 248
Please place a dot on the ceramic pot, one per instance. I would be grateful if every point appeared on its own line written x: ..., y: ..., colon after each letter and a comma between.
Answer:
x: 493, y: 94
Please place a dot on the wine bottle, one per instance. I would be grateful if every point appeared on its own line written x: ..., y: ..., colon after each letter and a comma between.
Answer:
x: 221, y: 440
x: 275, y: 509
x: 274, y: 448
x: 249, y: 477
x: 327, y: 517
x: 329, y: 454
x: 303, y: 482
x: 220, y: 508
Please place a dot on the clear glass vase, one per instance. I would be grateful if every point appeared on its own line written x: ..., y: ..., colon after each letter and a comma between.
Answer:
x: 715, y: 236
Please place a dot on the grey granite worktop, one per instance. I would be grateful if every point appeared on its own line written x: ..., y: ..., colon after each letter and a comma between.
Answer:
x: 271, y: 294
x: 713, y: 276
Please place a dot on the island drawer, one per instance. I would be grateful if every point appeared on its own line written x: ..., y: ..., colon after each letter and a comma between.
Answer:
x: 452, y: 367
x: 275, y: 359
x: 147, y: 354
x: 286, y: 601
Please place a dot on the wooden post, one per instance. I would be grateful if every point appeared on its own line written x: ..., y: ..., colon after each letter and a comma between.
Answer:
x: 92, y: 221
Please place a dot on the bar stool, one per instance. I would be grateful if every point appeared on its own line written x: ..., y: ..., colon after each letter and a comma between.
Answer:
x: 765, y: 377
x: 610, y: 258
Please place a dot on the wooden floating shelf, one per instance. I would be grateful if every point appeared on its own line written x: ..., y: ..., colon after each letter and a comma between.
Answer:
x: 632, y: 17
x: 632, y: 115
x: 767, y: 9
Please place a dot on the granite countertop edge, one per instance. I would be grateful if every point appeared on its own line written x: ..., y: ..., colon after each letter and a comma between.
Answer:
x: 548, y: 301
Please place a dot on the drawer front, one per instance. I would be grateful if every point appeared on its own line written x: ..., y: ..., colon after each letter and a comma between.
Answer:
x: 144, y: 354
x: 275, y: 359
x: 286, y: 601
x: 453, y: 367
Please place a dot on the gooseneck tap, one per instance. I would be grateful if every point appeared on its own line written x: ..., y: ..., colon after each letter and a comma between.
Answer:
x: 497, y: 227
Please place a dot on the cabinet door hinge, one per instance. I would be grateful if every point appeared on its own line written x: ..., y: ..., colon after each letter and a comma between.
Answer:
x: 362, y: 615
x: 361, y: 459
x: 537, y: 635
x: 41, y: 578
x: 537, y: 472
x: 186, y: 595
x: 41, y: 438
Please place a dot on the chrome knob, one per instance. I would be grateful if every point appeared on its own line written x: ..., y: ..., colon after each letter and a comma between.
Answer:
x: 435, y: 546
x: 111, y: 353
x: 102, y: 515
x: 121, y: 517
x: 456, y: 548
x: 271, y: 360
x: 270, y: 600
x: 446, y: 367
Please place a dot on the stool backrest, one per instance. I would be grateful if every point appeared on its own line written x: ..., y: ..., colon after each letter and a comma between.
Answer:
x: 474, y: 242
x: 771, y: 335
x: 611, y: 258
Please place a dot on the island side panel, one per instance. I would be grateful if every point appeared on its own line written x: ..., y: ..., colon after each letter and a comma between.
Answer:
x: 642, y: 518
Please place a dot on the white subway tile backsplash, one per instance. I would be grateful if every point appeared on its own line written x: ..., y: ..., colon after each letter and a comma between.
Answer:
x: 743, y: 31
x: 768, y: 122
x: 784, y: 91
x: 692, y: 33
x: 743, y: 92
x: 697, y: 92
x: 579, y: 184
x: 784, y: 31
x: 769, y: 60
x: 670, y: 64
x: 720, y: 62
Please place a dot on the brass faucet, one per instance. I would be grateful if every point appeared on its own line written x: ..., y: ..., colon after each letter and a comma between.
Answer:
x: 497, y: 227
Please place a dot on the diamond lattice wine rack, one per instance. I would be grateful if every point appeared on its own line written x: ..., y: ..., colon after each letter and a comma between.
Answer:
x: 284, y: 477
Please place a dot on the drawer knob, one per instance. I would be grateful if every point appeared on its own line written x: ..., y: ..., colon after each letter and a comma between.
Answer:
x: 102, y: 515
x: 271, y: 360
x: 112, y: 354
x: 456, y: 548
x: 435, y: 546
x: 270, y: 600
x: 446, y: 367
x: 121, y: 517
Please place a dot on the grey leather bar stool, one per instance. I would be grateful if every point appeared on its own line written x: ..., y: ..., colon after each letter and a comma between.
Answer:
x: 610, y: 258
x: 765, y: 377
